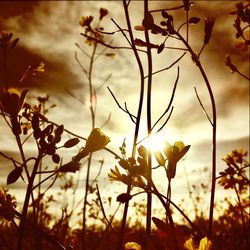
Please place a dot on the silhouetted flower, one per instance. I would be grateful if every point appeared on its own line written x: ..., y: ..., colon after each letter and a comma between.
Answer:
x: 12, y: 101
x: 103, y: 13
x: 7, y: 205
x: 85, y: 21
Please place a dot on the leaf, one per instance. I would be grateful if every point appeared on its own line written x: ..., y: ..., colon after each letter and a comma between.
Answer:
x: 124, y: 197
x: 139, y: 42
x: 161, y: 225
x: 59, y: 130
x: 71, y: 143
x: 209, y: 24
x: 35, y: 121
x: 56, y: 158
x: 164, y: 14
x: 194, y: 20
x: 71, y: 166
x: 14, y: 175
x: 48, y: 130
x: 160, y: 48
x: 148, y: 21
x: 139, y: 27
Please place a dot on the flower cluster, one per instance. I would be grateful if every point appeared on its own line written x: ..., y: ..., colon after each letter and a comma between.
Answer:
x: 234, y: 175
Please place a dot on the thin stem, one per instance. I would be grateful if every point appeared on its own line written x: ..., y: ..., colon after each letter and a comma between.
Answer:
x: 241, y: 208
x: 204, y: 110
x: 138, y: 118
x: 171, y: 99
x: 149, y: 122
x: 244, y: 76
x: 214, y: 128
x: 5, y: 69
x: 168, y: 9
x: 26, y: 202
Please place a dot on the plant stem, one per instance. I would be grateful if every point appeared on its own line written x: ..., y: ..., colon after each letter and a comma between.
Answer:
x: 26, y: 202
x: 92, y: 112
x: 149, y: 125
x: 214, y: 128
x: 138, y: 119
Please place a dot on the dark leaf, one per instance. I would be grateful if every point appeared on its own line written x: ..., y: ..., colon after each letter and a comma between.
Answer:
x: 209, y: 24
x: 194, y: 20
x: 161, y: 225
x: 49, y: 129
x: 56, y: 158
x: 50, y: 149
x: 71, y: 142
x: 148, y: 21
x: 37, y: 133
x: 35, y: 122
x: 71, y: 166
x: 164, y: 14
x: 160, y: 48
x: 59, y: 130
x: 124, y: 197
x: 14, y: 175
x: 139, y: 42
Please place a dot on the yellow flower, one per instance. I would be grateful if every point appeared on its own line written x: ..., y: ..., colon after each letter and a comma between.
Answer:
x: 12, y: 101
x: 97, y: 140
x: 132, y: 246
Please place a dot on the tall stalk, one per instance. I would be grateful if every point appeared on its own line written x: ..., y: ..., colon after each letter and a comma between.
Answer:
x: 26, y: 202
x: 149, y: 123
x: 92, y: 113
x: 214, y: 129
x: 138, y: 119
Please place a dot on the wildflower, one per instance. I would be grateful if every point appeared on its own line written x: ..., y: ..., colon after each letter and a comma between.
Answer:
x: 174, y: 154
x: 5, y: 40
x: 132, y: 246
x: 205, y: 244
x: 103, y: 13
x: 97, y: 140
x: 7, y: 205
x: 85, y: 21
x: 12, y: 101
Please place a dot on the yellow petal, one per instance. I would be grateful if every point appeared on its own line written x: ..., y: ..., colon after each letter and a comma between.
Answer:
x: 205, y: 244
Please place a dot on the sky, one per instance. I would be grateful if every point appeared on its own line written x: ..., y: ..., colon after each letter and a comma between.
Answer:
x: 48, y: 32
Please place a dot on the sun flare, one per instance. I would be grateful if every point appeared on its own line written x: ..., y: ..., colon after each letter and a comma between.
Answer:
x: 157, y: 141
